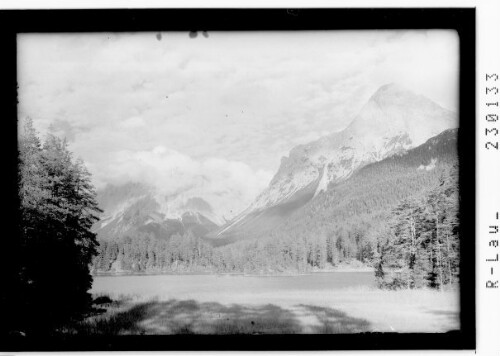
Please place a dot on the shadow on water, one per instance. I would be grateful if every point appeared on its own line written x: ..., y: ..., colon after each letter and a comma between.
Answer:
x: 192, y: 317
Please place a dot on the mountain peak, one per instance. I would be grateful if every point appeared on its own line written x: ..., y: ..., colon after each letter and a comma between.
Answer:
x: 393, y: 120
x: 394, y: 110
x: 391, y: 92
x: 389, y: 86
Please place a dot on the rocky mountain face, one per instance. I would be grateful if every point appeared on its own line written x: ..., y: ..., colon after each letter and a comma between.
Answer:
x: 367, y: 197
x: 135, y: 208
x: 391, y: 122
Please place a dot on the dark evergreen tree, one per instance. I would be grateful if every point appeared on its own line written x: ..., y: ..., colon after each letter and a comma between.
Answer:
x: 58, y: 208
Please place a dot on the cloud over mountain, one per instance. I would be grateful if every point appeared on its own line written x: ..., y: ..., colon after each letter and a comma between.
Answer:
x: 224, y: 108
x: 228, y: 186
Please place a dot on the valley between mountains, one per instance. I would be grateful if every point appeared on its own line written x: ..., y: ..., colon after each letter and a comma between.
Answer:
x: 342, y: 200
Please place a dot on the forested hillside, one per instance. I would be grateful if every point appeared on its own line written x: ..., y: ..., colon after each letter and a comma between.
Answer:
x: 352, y: 211
x: 355, y: 219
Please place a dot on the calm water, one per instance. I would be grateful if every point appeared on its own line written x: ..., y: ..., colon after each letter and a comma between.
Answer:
x: 175, y: 286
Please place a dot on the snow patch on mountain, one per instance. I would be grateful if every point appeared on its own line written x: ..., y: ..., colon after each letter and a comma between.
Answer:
x: 323, y: 182
x: 174, y: 207
x: 430, y: 166
x: 233, y: 223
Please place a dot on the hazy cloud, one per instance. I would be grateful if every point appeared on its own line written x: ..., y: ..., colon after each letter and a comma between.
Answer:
x: 225, y: 184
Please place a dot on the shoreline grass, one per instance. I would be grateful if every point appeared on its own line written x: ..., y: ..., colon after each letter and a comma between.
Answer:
x: 350, y: 310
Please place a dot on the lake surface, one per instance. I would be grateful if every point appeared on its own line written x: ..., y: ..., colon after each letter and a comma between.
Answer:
x: 312, y: 303
x: 177, y: 286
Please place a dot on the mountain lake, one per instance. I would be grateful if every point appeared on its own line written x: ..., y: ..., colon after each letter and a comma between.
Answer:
x: 324, y: 302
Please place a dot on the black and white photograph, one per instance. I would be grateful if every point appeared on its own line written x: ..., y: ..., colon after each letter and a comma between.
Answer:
x: 226, y: 181
x: 229, y: 183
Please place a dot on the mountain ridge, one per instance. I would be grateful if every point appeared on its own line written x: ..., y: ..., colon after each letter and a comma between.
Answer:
x: 391, y: 122
x: 380, y: 183
x: 134, y: 208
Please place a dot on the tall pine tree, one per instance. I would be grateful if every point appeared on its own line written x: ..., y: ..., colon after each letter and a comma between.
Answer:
x: 57, y: 210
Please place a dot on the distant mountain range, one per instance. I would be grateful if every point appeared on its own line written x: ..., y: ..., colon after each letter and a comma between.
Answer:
x: 135, y: 208
x: 397, y: 138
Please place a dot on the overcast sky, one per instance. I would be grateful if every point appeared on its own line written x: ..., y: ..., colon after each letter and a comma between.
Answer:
x: 220, y: 110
